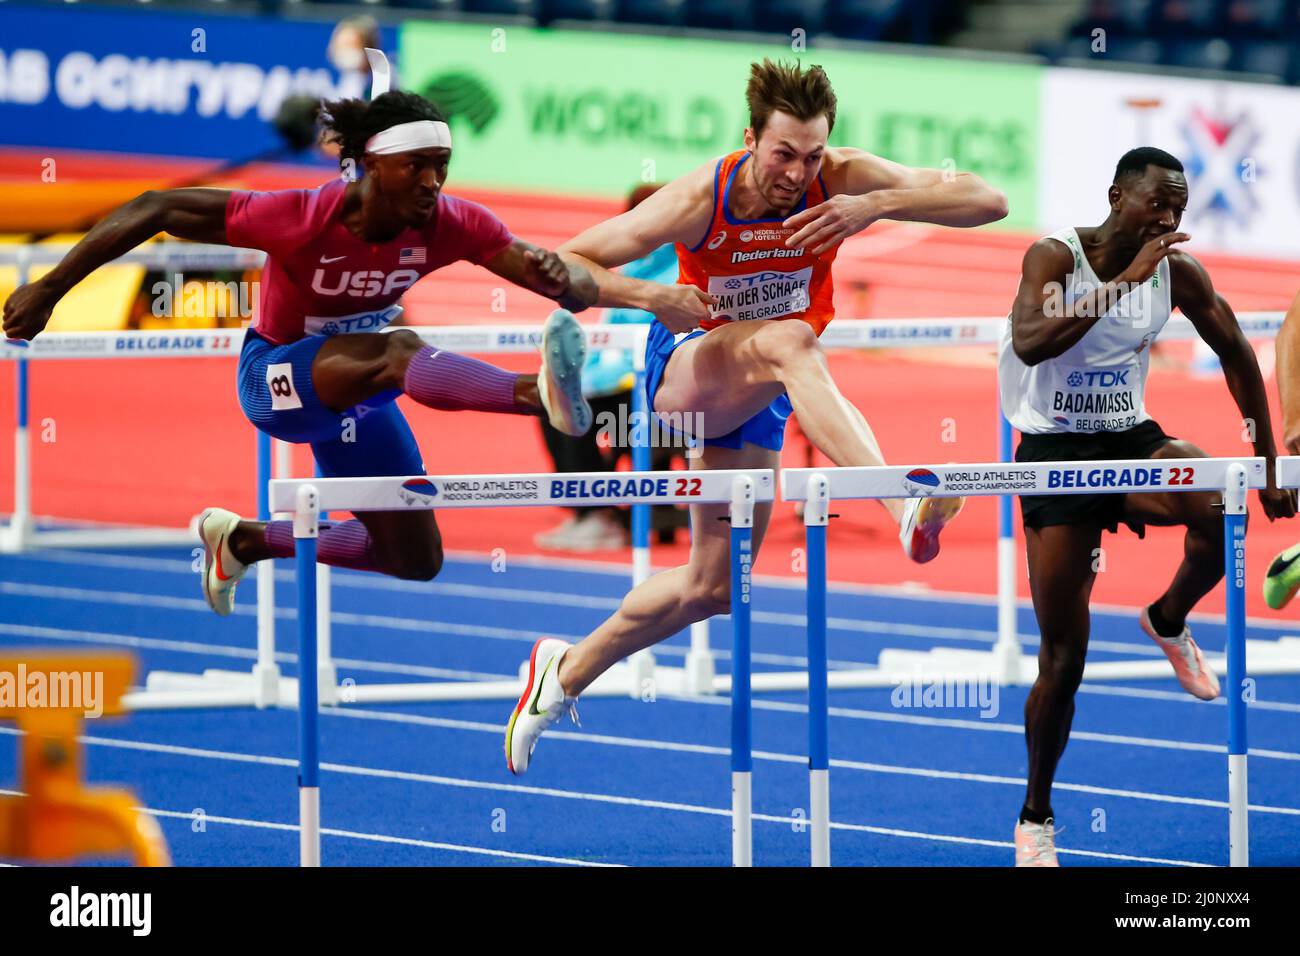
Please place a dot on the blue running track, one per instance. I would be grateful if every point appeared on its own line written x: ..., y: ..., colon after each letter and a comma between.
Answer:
x: 1143, y: 782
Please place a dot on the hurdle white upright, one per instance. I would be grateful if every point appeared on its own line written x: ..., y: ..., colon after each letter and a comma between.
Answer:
x: 20, y: 533
x: 1232, y: 476
x: 308, y: 498
x: 1280, y: 656
x: 263, y: 686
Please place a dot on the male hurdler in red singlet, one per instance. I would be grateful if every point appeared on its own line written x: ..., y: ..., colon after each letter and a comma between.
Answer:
x: 315, y: 367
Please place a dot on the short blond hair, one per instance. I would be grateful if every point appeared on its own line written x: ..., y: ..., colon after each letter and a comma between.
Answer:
x: 804, y: 94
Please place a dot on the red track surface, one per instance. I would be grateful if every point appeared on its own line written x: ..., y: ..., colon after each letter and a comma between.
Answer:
x: 156, y: 441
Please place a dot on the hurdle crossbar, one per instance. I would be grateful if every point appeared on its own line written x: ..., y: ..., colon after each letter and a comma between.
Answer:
x: 308, y: 497
x: 227, y: 688
x: 819, y: 487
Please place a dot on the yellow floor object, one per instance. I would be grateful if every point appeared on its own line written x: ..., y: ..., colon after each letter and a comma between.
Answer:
x: 57, y: 817
x: 101, y: 301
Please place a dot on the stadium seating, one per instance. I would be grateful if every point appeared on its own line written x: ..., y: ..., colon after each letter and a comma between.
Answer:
x: 508, y: 8
x: 719, y: 14
x: 1255, y: 36
x: 785, y: 16
x: 666, y: 13
x: 551, y: 10
x: 864, y: 19
x: 1276, y: 58
x: 1261, y: 37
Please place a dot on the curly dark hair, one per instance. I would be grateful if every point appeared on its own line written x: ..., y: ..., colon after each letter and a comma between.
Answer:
x: 1136, y: 161
x: 351, y: 123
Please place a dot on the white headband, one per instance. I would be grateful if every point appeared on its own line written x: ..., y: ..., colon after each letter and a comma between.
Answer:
x: 422, y: 134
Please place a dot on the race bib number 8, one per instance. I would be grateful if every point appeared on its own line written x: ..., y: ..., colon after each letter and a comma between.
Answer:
x: 279, y: 382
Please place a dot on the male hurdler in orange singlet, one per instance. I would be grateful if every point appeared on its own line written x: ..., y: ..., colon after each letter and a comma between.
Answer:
x: 735, y: 343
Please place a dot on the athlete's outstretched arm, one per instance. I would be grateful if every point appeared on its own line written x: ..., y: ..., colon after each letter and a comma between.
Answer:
x: 196, y: 213
x: 865, y: 188
x: 679, y: 212
x: 542, y: 271
x: 1288, y: 377
x: 1209, y: 312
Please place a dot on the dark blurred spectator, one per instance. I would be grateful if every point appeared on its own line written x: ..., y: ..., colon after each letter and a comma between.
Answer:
x: 347, y: 54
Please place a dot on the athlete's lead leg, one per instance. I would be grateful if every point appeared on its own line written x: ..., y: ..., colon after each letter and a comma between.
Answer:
x: 726, y: 377
x: 350, y: 369
x: 663, y: 605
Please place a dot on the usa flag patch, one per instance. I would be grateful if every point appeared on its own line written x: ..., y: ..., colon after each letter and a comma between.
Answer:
x: 415, y: 256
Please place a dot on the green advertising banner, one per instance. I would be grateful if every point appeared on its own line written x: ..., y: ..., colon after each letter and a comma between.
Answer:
x: 598, y: 113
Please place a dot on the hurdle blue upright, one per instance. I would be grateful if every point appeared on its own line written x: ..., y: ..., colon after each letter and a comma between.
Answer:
x: 1232, y: 476
x: 307, y: 498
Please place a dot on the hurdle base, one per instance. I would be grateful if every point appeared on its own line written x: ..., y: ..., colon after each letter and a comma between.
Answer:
x: 21, y: 535
x: 171, y: 690
x: 15, y: 537
x: 899, y: 666
x: 264, y: 687
x: 700, y: 673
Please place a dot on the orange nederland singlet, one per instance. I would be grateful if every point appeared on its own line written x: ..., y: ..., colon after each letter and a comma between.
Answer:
x: 746, y: 266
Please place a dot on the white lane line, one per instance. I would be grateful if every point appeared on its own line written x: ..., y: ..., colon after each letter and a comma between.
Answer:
x: 239, y: 653
x: 242, y: 653
x: 421, y: 625
x: 1113, y: 690
x: 576, y: 795
x: 799, y: 759
x: 385, y: 838
x: 975, y: 841
x: 367, y: 837
x: 180, y: 750
x: 991, y: 727
x: 372, y: 582
x: 772, y: 705
x: 904, y: 592
x: 425, y: 626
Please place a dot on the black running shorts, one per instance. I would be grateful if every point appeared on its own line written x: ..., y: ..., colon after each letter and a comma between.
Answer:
x: 1105, y: 511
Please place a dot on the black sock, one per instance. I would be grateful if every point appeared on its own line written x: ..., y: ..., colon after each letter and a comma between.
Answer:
x: 1033, y: 816
x: 1161, y: 624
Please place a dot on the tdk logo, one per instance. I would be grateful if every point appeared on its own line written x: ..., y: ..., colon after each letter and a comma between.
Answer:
x: 753, y: 279
x: 355, y: 323
x: 1102, y: 379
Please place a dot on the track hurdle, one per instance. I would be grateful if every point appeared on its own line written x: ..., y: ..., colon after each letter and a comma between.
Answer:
x: 308, y: 497
x: 820, y: 486
x: 260, y: 688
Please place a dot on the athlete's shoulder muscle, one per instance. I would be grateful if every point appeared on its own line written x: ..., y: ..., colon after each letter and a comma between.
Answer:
x: 1047, y: 262
x: 847, y: 169
x: 274, y: 221
x: 679, y: 212
x: 1189, y: 281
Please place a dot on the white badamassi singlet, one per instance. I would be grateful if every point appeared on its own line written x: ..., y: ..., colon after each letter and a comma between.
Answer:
x: 1098, y: 383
